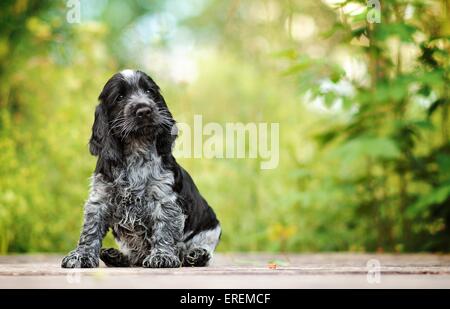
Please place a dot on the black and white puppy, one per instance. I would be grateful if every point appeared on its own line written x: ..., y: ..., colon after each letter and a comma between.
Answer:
x: 155, y: 211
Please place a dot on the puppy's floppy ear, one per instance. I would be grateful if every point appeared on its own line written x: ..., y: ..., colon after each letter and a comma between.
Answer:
x: 168, y: 133
x: 165, y: 139
x: 99, y: 131
x: 102, y: 143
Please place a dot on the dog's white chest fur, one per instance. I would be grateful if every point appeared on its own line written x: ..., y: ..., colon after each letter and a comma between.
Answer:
x: 145, y: 175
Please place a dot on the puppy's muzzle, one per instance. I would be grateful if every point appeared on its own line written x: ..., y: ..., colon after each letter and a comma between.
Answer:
x: 144, y: 112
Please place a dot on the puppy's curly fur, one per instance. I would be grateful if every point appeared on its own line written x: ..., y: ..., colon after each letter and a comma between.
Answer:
x: 152, y: 205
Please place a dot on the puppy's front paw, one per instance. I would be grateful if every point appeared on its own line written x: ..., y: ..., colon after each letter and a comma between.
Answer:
x: 161, y: 260
x: 80, y: 259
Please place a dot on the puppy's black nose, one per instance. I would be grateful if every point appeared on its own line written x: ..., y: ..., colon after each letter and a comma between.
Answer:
x: 143, y: 112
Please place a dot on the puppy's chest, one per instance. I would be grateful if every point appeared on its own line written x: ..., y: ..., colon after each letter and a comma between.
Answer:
x: 141, y: 186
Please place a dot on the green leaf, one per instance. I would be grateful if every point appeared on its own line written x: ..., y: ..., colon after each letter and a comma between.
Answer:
x: 297, y: 68
x: 436, y: 196
x: 434, y: 106
x: 358, y: 32
x: 327, y: 136
x: 403, y: 32
x: 290, y: 54
x: 373, y: 147
x: 329, y: 99
x: 443, y: 161
x: 425, y: 90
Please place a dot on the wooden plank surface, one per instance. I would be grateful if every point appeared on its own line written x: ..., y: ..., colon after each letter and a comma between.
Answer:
x: 337, y: 270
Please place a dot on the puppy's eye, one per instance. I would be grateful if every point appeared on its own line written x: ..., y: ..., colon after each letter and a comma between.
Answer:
x: 120, y: 97
x: 148, y: 91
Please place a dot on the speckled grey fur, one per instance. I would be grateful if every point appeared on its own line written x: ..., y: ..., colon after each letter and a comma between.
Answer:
x: 140, y: 207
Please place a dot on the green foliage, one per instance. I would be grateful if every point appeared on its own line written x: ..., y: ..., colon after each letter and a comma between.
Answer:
x: 363, y: 111
x: 392, y: 150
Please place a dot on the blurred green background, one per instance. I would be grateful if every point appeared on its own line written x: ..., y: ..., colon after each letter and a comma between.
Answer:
x: 363, y: 111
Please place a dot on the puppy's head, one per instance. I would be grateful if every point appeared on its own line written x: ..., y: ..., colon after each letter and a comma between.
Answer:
x: 130, y: 107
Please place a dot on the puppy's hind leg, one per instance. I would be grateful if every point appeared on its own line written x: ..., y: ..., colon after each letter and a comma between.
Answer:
x: 199, y: 249
x: 196, y: 257
x: 114, y: 258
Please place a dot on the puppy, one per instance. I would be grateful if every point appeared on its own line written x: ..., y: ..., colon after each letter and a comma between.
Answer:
x: 155, y: 211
